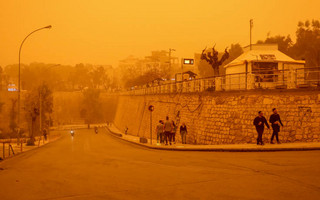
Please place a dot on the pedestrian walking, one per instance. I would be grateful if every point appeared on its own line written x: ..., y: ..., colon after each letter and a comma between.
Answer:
x: 183, y: 133
x: 45, y: 134
x: 162, y: 135
x: 159, y: 131
x: 259, y: 123
x: 275, y: 123
x: 173, y: 132
x: 167, y: 130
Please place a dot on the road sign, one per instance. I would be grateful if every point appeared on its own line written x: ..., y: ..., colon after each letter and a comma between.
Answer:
x: 151, y: 108
x: 187, y: 61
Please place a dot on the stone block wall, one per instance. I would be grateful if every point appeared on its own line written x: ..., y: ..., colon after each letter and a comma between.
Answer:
x: 224, y: 117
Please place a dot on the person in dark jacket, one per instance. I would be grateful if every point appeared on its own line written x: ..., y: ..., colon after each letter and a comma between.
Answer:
x: 259, y: 123
x: 173, y: 132
x: 168, y: 126
x: 275, y: 123
x: 183, y: 133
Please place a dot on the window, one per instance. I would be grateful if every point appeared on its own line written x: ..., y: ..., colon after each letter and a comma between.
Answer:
x: 265, y: 71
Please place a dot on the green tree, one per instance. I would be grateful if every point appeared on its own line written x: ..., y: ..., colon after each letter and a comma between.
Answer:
x: 99, y: 77
x: 284, y: 43
x: 38, y: 101
x: 307, y: 45
x: 31, y: 107
x: 80, y: 77
x: 46, y: 104
x: 146, y: 78
x: 91, y: 105
x: 205, y: 70
x: 13, y: 116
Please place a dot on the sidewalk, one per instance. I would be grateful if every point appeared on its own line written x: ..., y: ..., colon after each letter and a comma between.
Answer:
x: 17, y: 148
x: 226, y: 148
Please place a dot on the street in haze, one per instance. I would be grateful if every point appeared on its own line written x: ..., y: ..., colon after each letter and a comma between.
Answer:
x: 164, y: 99
x: 100, y: 166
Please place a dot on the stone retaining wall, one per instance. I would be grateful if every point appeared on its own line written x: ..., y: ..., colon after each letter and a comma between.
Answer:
x: 224, y: 117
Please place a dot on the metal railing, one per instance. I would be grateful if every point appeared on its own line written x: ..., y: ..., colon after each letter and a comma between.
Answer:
x: 307, y: 77
x: 14, y: 146
x: 263, y: 79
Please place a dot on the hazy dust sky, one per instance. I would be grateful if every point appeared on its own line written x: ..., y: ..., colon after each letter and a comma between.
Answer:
x: 103, y: 31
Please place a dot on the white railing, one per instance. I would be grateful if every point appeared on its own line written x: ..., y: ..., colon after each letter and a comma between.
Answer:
x: 279, y: 79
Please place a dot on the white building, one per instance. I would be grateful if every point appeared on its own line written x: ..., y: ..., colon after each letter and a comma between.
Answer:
x: 264, y: 66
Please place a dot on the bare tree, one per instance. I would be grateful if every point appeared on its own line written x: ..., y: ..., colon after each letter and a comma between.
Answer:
x: 213, y: 60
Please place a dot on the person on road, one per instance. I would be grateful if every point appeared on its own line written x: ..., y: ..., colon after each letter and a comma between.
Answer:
x: 259, y: 123
x: 72, y: 132
x: 173, y: 132
x: 96, y: 129
x: 45, y: 134
x: 183, y: 133
x: 167, y: 130
x: 275, y: 123
x: 159, y: 130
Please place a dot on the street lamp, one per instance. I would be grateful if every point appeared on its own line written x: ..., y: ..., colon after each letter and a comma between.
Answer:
x: 19, y: 90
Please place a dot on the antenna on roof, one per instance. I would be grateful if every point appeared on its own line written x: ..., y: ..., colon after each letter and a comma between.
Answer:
x: 251, y: 26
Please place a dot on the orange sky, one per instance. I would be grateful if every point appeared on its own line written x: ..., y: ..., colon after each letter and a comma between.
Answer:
x: 103, y: 31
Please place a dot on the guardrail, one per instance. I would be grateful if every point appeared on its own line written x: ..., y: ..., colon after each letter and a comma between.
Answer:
x: 262, y: 79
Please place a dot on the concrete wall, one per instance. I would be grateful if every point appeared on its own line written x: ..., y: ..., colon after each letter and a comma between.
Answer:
x: 224, y: 117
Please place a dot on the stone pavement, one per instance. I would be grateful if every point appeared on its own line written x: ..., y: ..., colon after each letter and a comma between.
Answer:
x: 227, y: 147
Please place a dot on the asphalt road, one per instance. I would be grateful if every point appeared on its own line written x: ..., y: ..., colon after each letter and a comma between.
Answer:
x: 91, y: 166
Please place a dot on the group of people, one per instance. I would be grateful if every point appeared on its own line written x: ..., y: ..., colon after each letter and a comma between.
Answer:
x: 275, y: 121
x: 166, y: 132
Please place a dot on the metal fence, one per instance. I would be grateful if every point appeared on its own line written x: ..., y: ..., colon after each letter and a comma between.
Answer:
x: 14, y: 146
x: 307, y: 77
x: 276, y: 79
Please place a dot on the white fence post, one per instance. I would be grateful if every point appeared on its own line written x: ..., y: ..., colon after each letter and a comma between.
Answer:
x: 292, y: 79
x: 218, y: 83
x: 250, y: 81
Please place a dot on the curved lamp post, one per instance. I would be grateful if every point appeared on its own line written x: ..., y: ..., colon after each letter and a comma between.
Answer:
x: 46, y: 27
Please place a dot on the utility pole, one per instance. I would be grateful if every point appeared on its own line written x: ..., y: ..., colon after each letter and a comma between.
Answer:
x: 151, y: 109
x: 251, y: 26
x: 170, y: 50
x: 151, y: 128
x: 40, y: 110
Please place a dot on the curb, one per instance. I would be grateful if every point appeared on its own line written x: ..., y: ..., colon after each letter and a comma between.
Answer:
x: 167, y: 148
x: 30, y: 150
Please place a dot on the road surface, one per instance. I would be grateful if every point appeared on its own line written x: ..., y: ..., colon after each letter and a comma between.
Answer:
x: 91, y: 166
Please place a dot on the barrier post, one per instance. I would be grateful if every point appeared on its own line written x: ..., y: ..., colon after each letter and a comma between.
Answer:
x: 10, y: 147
